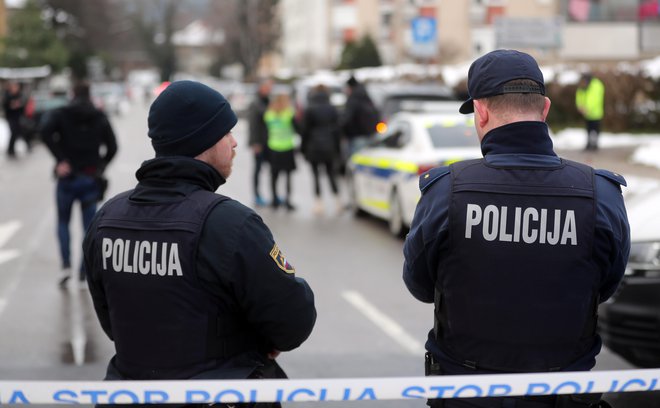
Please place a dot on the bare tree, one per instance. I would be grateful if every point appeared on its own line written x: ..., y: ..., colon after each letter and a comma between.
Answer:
x: 154, y: 23
x: 251, y: 28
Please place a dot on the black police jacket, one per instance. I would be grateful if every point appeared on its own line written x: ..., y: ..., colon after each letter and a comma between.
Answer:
x: 516, y: 250
x: 188, y: 283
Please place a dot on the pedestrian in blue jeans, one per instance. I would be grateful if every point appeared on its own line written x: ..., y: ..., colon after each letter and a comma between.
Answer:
x: 76, y: 135
x: 84, y: 189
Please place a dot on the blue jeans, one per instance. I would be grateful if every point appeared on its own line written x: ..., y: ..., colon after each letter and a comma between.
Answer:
x: 77, y: 187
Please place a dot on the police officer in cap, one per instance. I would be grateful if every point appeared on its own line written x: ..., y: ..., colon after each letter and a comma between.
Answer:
x: 190, y: 284
x: 515, y: 250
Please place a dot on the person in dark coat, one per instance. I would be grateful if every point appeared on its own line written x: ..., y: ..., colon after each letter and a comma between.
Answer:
x: 360, y: 116
x: 14, y: 107
x: 190, y: 284
x: 320, y: 141
x: 82, y: 141
x: 258, y: 135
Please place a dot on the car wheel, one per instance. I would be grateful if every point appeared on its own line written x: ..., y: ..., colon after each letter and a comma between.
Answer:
x: 353, y: 205
x: 396, y: 217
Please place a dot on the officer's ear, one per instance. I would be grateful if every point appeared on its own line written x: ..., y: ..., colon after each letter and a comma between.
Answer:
x: 481, y: 114
x: 546, y: 108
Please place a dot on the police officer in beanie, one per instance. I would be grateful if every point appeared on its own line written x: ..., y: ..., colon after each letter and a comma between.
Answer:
x: 515, y: 250
x: 186, y: 282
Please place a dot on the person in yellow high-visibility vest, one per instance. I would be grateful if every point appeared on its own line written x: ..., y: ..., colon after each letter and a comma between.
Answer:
x: 279, y: 119
x: 590, y: 101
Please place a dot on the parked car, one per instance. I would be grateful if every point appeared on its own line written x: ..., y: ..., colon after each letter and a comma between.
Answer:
x: 629, y: 322
x: 39, y: 105
x: 383, y: 177
x: 110, y: 97
x: 407, y: 97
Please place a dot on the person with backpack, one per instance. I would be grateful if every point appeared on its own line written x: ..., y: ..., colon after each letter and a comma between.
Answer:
x: 75, y: 135
x: 360, y: 117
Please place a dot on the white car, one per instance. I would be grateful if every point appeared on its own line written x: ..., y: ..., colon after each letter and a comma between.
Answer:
x: 384, y: 176
x: 629, y: 322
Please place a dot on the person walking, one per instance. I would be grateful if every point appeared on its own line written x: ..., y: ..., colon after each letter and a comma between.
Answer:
x: 321, y: 142
x: 258, y: 132
x: 517, y: 249
x: 590, y: 102
x: 279, y: 119
x: 190, y: 284
x: 76, y: 135
x: 14, y: 107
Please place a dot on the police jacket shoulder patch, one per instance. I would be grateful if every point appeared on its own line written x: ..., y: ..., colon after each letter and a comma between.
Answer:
x: 280, y: 260
x: 614, y: 177
x: 431, y: 176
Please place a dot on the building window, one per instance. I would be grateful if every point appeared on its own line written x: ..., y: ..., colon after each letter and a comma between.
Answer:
x: 586, y: 11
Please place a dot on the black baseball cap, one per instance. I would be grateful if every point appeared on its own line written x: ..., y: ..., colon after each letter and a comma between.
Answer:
x: 489, y: 73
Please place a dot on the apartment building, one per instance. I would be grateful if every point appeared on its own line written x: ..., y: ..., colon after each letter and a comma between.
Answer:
x: 554, y: 30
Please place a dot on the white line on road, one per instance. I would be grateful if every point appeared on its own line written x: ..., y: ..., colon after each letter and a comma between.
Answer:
x: 389, y: 326
x: 7, y: 230
x: 78, y: 334
x: 33, y: 245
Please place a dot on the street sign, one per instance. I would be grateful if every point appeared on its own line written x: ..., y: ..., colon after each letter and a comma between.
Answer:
x: 424, y: 36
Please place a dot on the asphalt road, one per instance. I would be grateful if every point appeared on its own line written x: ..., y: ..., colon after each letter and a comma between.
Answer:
x: 368, y: 325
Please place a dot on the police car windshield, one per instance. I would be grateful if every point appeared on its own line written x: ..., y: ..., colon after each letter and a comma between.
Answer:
x: 452, y: 135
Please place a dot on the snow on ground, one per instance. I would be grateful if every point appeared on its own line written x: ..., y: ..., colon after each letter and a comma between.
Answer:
x: 648, y: 152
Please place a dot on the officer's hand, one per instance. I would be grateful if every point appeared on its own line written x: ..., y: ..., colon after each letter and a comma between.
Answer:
x: 257, y: 148
x: 274, y: 354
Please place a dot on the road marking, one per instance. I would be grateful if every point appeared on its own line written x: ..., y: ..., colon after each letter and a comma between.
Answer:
x: 7, y: 230
x: 33, y: 245
x: 78, y: 335
x: 389, y: 326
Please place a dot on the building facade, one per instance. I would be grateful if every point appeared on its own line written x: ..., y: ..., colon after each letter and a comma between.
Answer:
x: 568, y: 30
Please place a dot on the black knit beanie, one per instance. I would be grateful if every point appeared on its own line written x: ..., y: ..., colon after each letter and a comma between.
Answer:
x: 187, y: 118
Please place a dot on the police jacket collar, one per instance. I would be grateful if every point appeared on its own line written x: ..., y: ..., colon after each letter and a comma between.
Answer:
x: 179, y: 169
x: 518, y: 138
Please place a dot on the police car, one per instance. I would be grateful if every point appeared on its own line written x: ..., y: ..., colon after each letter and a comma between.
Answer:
x: 629, y: 322
x: 384, y: 176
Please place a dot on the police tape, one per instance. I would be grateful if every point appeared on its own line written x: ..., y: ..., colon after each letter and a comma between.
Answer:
x: 326, y: 389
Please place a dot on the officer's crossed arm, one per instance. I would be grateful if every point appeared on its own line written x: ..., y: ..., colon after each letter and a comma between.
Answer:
x: 278, y: 305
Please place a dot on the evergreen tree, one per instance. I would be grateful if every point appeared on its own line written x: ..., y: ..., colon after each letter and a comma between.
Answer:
x: 368, y: 55
x: 349, y: 56
x: 361, y: 54
x: 31, y: 41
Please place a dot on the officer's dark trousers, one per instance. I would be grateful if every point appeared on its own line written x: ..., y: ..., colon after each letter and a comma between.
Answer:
x: 593, y: 131
x: 259, y: 161
x: 16, y: 132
